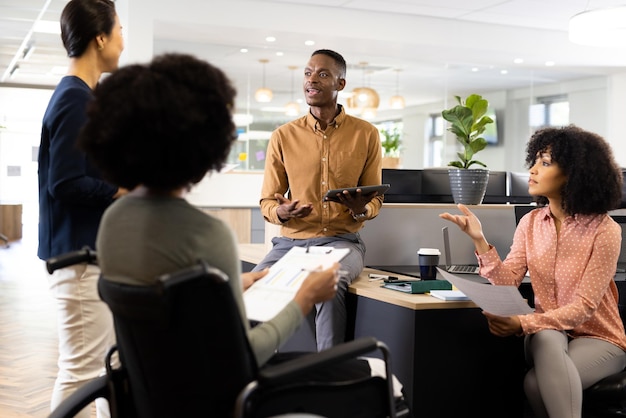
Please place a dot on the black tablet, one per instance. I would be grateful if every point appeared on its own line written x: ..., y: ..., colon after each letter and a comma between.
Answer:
x: 331, y: 195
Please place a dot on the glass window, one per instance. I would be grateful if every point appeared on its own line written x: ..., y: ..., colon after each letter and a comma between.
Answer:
x: 558, y: 114
x: 434, y: 146
x: 549, y: 111
x: 248, y: 152
x: 394, y: 129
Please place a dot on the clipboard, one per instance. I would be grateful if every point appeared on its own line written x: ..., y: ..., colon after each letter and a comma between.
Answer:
x: 269, y: 295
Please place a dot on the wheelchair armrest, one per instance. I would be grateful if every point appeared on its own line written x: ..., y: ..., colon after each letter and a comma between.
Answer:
x: 285, y: 371
x: 82, y: 397
x: 84, y: 255
x: 608, y: 390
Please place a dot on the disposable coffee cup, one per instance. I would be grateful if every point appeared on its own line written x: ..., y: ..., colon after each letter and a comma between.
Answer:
x: 428, y: 262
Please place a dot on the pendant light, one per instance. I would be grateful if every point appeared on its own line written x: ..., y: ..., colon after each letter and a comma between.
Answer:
x: 364, y: 100
x: 292, y: 108
x: 602, y: 27
x: 263, y: 94
x: 397, y: 101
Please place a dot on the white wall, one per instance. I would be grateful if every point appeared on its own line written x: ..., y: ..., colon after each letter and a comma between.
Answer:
x: 596, y: 104
x: 229, y: 190
x: 21, y: 112
x: 616, y: 116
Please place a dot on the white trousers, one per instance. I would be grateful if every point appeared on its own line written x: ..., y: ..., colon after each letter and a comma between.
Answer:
x: 85, y: 329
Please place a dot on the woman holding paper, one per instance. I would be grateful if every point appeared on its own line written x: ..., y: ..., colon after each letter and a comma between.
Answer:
x: 570, y: 247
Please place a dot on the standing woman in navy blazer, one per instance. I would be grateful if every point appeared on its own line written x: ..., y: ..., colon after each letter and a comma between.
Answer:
x: 73, y: 196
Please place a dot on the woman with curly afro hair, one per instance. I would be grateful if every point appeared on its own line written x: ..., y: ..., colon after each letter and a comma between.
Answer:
x: 570, y: 247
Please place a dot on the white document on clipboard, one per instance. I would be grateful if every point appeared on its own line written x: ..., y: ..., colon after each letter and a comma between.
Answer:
x: 269, y: 295
x: 498, y: 300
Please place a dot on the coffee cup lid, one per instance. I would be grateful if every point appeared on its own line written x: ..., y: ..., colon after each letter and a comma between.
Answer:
x: 429, y: 251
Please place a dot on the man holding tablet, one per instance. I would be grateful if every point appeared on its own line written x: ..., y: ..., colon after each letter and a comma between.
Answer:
x: 324, y: 150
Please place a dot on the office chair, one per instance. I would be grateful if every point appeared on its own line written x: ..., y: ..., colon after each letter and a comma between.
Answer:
x: 113, y: 386
x: 186, y: 353
x: 182, y: 343
x: 607, y: 398
x: 84, y: 255
x: 279, y: 390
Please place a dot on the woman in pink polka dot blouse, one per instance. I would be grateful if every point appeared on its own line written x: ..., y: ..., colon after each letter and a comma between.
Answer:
x: 570, y: 247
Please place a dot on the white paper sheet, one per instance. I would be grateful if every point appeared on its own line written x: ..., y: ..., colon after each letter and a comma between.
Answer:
x: 449, y: 295
x: 498, y: 300
x: 269, y: 295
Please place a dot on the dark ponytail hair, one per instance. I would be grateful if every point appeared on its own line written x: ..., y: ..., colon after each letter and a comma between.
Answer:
x: 82, y: 21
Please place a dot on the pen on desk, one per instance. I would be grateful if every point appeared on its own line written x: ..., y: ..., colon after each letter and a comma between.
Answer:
x: 373, y: 277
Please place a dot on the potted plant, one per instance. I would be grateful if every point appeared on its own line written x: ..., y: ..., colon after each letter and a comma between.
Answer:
x: 390, y: 141
x: 467, y: 122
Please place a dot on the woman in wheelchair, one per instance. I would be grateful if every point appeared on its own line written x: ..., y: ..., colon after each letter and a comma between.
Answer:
x: 157, y: 130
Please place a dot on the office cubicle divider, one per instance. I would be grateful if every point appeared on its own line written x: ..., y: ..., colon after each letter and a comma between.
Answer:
x: 432, y: 185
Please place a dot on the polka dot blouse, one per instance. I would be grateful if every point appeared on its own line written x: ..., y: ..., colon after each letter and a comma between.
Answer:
x: 571, y: 274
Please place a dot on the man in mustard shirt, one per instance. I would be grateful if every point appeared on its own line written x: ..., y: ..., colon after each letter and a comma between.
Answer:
x: 326, y: 149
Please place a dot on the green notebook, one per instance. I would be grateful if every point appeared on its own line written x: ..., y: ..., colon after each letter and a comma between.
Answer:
x: 419, y: 286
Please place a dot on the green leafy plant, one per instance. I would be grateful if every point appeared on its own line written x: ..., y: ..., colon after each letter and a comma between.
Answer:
x: 467, y: 122
x: 391, y: 140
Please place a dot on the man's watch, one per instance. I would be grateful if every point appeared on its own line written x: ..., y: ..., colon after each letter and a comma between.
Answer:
x: 359, y: 216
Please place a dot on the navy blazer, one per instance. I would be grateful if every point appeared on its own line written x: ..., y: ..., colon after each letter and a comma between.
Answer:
x: 72, y: 193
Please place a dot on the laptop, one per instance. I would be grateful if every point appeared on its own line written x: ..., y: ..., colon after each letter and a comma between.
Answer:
x: 455, y: 268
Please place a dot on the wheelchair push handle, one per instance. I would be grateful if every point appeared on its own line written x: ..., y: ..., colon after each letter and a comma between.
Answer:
x: 84, y: 255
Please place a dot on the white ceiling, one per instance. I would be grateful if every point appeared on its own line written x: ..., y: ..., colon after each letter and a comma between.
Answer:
x: 442, y: 47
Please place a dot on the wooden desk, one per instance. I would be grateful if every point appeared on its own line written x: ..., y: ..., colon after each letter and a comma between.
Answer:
x: 11, y: 221
x: 362, y: 286
x: 252, y: 253
x: 442, y: 351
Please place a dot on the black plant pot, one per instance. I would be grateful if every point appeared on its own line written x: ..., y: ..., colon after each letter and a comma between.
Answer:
x: 468, y: 186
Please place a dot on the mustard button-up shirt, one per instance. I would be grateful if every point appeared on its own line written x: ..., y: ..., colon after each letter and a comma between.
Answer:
x: 303, y: 162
